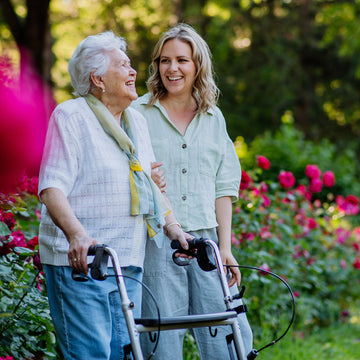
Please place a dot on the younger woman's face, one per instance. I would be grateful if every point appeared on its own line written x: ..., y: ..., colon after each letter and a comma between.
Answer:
x: 177, y: 68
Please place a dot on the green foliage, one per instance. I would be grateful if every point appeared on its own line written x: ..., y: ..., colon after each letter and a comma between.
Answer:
x: 190, y: 350
x: 289, y: 149
x: 25, y: 324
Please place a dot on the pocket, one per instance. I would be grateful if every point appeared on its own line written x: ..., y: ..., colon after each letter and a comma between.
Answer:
x: 209, y: 157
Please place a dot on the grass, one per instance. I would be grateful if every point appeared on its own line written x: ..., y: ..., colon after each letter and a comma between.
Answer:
x: 337, y: 342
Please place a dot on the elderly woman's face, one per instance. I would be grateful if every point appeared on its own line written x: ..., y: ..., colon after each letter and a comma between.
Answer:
x: 119, y: 80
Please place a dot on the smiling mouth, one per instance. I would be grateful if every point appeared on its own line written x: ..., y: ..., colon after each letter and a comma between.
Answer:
x: 174, y: 78
x: 130, y: 83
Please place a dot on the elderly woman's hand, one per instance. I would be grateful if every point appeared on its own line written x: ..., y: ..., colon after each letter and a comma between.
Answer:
x: 158, y: 176
x: 174, y: 232
x: 63, y: 216
x: 78, y: 252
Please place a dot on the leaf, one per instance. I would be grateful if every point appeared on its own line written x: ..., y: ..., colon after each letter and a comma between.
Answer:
x: 23, y: 251
x: 4, y: 230
x: 6, y: 315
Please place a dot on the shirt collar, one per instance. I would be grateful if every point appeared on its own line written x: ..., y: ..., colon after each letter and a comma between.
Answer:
x: 145, y: 99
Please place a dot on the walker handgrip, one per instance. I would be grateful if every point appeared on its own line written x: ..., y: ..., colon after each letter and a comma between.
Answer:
x: 92, y: 249
x: 175, y: 244
x: 198, y: 248
x: 193, y: 243
x: 99, y: 265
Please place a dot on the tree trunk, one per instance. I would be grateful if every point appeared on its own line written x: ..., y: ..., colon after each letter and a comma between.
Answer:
x: 32, y: 36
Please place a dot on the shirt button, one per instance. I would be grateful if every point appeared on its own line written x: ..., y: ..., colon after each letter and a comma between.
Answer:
x: 184, y: 146
x: 183, y: 197
x: 184, y: 171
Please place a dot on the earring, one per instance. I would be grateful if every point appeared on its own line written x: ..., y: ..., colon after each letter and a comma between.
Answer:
x: 103, y: 90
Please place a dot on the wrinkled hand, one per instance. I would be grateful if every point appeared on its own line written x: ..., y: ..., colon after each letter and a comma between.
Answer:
x: 228, y: 259
x: 174, y: 232
x: 78, y: 251
x: 158, y: 176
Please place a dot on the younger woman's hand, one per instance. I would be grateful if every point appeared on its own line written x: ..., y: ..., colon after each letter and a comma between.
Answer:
x: 158, y: 176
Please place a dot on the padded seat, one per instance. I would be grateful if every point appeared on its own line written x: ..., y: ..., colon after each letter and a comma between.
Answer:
x: 189, y: 319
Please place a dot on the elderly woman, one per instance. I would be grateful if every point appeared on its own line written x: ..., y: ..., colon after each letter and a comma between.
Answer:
x: 96, y: 150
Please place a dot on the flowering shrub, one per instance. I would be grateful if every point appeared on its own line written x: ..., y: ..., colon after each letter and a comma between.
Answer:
x: 280, y: 225
x: 25, y: 325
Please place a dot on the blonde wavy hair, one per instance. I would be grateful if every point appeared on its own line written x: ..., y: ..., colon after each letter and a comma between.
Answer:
x: 205, y: 91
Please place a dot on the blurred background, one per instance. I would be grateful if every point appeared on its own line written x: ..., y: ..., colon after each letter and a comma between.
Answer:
x: 270, y: 56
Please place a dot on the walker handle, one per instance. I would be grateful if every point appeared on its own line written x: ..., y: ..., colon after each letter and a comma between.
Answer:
x: 193, y: 243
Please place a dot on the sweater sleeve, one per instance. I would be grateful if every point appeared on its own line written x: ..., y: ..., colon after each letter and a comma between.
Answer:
x: 59, y: 166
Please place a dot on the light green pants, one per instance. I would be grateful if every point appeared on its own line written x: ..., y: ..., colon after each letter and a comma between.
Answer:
x: 184, y: 290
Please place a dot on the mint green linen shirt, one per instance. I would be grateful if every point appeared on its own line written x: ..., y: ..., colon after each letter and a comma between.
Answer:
x: 199, y: 167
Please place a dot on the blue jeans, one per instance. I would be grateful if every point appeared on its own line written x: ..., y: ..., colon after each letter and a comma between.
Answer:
x: 87, y: 316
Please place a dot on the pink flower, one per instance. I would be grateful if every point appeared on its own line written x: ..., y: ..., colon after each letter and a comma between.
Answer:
x: 296, y: 294
x: 33, y: 184
x: 298, y: 252
x: 265, y: 201
x: 38, y: 214
x: 18, y: 239
x: 351, y: 199
x: 286, y: 179
x: 342, y: 235
x: 349, y: 204
x: 301, y: 189
x: 7, y: 218
x: 245, y: 180
x: 300, y: 219
x: 310, y: 261
x: 32, y: 243
x: 263, y: 187
x: 312, y: 224
x: 356, y: 246
x: 328, y: 179
x: 22, y: 184
x: 315, y: 185
x: 255, y: 192
x: 265, y: 233
x: 234, y: 240
x: 248, y: 237
x: 263, y: 162
x: 264, y: 267
x: 343, y: 264
x: 36, y: 261
x: 356, y: 233
x: 356, y: 264
x: 312, y: 172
